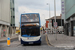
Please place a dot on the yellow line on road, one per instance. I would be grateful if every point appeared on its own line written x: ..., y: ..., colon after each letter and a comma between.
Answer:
x: 47, y: 41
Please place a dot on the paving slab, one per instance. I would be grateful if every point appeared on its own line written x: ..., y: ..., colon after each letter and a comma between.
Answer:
x: 62, y: 40
x: 5, y: 38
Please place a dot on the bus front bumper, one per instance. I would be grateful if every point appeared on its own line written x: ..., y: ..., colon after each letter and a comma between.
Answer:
x: 31, y: 42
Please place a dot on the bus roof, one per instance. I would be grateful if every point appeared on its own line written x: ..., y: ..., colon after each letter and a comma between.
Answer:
x: 29, y: 13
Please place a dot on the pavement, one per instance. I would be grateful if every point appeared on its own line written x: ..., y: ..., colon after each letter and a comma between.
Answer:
x: 5, y: 38
x: 63, y: 41
x: 15, y: 45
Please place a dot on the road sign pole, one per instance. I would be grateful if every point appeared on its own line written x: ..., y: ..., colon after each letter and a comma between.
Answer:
x: 55, y: 16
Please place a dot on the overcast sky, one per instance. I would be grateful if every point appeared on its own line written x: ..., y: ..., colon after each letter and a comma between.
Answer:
x: 38, y: 6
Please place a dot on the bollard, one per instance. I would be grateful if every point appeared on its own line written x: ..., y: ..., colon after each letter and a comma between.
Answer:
x: 8, y: 41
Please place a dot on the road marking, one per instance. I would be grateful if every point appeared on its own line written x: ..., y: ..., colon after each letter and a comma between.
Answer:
x: 47, y: 41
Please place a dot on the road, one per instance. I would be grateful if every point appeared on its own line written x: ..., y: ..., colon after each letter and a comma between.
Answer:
x: 15, y: 45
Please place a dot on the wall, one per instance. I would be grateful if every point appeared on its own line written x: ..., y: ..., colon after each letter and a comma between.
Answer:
x: 69, y: 8
x: 12, y: 12
x: 63, y: 9
x: 17, y: 16
x: 5, y: 12
x: 0, y: 9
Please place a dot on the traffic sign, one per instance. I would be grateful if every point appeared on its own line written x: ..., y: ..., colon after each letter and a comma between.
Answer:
x: 55, y: 24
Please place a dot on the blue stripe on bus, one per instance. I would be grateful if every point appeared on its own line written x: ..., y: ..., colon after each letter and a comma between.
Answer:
x: 29, y: 13
x: 39, y: 20
x: 27, y: 36
x: 20, y: 21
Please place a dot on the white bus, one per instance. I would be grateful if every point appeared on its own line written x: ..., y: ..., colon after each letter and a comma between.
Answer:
x: 30, y: 28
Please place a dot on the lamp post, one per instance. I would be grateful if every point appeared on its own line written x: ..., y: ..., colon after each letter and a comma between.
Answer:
x: 49, y: 13
x: 55, y: 16
x: 44, y: 16
x: 49, y: 9
x: 44, y: 24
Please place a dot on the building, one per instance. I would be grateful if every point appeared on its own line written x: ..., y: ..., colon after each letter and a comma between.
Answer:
x: 17, y: 16
x: 63, y: 9
x: 69, y: 17
x: 12, y: 24
x: 7, y: 18
x: 50, y: 24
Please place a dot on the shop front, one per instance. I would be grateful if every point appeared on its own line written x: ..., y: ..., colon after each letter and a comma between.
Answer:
x: 70, y: 26
x: 73, y: 28
x: 66, y: 29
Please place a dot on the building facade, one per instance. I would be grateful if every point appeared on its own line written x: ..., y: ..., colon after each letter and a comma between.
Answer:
x: 12, y: 24
x: 50, y: 24
x: 17, y: 16
x: 7, y: 18
x: 63, y: 9
x: 69, y: 17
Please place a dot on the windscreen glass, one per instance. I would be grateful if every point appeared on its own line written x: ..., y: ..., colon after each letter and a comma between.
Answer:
x: 30, y: 18
x: 30, y: 31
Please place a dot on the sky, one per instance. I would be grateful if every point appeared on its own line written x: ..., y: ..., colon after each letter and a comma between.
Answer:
x: 37, y: 6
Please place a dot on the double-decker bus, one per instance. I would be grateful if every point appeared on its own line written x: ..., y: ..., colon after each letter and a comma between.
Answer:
x: 30, y: 28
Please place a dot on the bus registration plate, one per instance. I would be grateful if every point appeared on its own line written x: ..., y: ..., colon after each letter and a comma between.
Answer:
x: 30, y: 38
x: 30, y: 42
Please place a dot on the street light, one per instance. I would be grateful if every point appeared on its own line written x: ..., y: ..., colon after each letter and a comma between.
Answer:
x: 49, y: 9
x: 49, y: 12
x: 43, y: 16
x: 44, y: 20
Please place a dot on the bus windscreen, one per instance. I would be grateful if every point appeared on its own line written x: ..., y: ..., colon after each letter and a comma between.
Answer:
x: 30, y: 18
x: 30, y: 31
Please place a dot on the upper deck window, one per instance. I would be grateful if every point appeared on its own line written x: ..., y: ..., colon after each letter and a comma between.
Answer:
x: 30, y: 18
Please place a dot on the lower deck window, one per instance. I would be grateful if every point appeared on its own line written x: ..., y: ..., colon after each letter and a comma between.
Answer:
x: 32, y: 31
